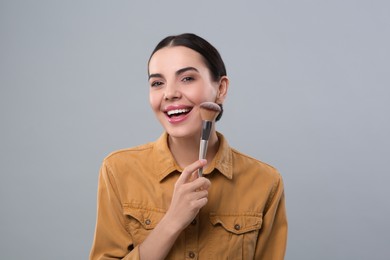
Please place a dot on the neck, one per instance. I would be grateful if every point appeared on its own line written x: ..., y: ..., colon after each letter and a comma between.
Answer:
x: 186, y: 150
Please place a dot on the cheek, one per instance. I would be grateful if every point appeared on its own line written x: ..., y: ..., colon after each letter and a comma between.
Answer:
x: 209, y: 94
x: 202, y: 93
x: 154, y: 101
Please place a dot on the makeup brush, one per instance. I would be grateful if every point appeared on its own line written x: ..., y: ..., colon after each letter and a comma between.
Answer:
x: 208, y: 112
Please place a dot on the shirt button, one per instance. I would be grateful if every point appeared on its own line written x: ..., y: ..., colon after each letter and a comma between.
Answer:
x: 191, y: 254
x: 147, y: 222
x: 237, y: 227
x: 193, y: 222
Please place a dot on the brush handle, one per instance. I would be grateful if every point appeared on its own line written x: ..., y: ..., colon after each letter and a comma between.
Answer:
x: 206, y: 130
x: 202, y: 154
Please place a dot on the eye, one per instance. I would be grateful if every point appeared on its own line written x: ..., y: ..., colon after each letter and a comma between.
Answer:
x: 187, y: 79
x: 156, y: 84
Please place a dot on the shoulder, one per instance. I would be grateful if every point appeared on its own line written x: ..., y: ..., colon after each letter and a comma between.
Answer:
x: 132, y: 151
x: 244, y: 165
x: 247, y: 164
x: 251, y: 160
x: 128, y: 156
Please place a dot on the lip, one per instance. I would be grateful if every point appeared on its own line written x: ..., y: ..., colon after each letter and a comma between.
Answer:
x: 177, y: 119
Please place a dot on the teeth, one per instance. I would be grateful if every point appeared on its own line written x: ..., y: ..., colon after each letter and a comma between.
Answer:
x: 177, y: 111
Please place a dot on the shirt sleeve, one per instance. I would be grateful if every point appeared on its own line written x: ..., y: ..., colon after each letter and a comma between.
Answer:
x: 272, y: 239
x: 111, y: 240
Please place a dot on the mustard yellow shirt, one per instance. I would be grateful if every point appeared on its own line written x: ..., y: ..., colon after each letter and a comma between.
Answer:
x: 245, y: 217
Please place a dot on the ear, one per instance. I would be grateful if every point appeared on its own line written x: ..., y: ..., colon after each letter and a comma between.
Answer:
x: 223, y: 87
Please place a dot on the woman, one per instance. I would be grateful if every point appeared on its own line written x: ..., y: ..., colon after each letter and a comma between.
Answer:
x: 152, y: 205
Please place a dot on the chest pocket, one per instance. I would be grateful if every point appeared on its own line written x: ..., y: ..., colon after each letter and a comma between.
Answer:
x: 238, y: 231
x: 141, y: 221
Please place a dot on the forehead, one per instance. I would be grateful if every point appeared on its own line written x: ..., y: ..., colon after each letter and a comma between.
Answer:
x: 175, y: 58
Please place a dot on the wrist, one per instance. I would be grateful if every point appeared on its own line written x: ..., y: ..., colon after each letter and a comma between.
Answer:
x: 170, y: 226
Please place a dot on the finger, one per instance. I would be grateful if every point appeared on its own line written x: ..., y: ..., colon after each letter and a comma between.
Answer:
x: 186, y: 174
x: 194, y: 176
x: 195, y: 195
x: 199, y: 194
x: 200, y: 203
x: 201, y: 183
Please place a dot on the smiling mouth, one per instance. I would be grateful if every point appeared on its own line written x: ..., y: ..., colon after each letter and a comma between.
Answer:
x: 178, y: 112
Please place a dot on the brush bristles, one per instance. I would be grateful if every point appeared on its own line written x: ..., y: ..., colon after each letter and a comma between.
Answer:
x: 209, y: 111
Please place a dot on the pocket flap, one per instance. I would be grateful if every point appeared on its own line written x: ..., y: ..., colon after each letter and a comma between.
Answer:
x: 148, y: 218
x: 238, y: 223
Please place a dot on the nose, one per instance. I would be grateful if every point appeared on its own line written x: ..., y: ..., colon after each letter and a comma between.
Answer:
x: 171, y: 91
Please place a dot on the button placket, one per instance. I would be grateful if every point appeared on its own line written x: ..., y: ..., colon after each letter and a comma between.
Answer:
x: 191, y: 238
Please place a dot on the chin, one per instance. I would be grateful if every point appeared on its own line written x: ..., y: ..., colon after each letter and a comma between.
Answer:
x: 183, y: 132
x: 180, y: 134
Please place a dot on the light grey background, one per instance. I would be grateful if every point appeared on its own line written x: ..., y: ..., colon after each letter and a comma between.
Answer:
x: 309, y: 94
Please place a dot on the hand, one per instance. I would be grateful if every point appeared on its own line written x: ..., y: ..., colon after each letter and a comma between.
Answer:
x: 189, y: 196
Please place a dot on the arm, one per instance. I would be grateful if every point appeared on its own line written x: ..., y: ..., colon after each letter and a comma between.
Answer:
x: 111, y: 240
x: 189, y: 196
x: 272, y: 239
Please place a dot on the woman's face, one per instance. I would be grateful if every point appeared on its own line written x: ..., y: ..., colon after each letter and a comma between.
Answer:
x: 179, y: 82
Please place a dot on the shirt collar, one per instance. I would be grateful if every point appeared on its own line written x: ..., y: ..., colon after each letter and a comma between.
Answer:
x: 165, y: 164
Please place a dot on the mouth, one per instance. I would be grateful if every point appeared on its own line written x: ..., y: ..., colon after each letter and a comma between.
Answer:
x: 178, y: 112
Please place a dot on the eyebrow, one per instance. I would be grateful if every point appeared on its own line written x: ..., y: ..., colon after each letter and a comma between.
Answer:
x: 156, y: 75
x: 180, y: 71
